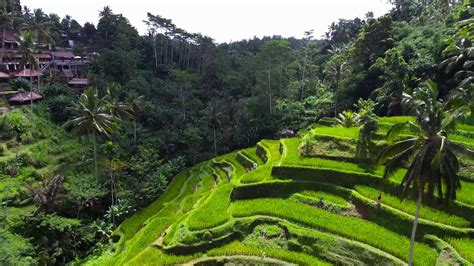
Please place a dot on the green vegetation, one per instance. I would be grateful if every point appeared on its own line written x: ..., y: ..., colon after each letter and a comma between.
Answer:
x: 366, y: 232
x: 409, y: 206
x: 154, y: 163
x: 315, y: 196
x: 212, y: 213
x: 465, y: 247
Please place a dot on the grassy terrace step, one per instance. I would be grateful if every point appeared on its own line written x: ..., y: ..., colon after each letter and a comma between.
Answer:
x: 238, y: 259
x: 132, y: 225
x: 251, y: 153
x: 447, y: 254
x: 263, y: 172
x: 401, y: 221
x: 332, y: 247
x: 465, y: 247
x: 237, y: 169
x: 366, y: 232
x: 213, y: 211
x: 316, y: 196
x: 292, y: 158
x: 409, y: 206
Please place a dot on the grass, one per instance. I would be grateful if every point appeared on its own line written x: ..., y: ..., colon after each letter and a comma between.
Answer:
x: 315, y: 196
x: 465, y: 194
x: 131, y: 225
x: 251, y: 153
x: 294, y: 159
x: 291, y: 256
x: 395, y: 119
x: 273, y: 147
x: 213, y: 212
x: 335, y: 148
x: 409, y: 206
x: 465, y: 247
x: 195, y: 210
x: 366, y: 232
x: 337, y: 132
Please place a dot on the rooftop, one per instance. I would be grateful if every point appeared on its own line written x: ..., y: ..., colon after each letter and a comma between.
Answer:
x: 27, y: 73
x: 25, y: 97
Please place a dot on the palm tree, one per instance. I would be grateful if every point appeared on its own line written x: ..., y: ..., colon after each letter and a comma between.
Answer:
x: 335, y: 72
x: 117, y: 108
x: 26, y: 45
x: 136, y: 106
x: 430, y: 156
x: 214, y: 118
x: 107, y: 17
x: 348, y: 119
x: 6, y: 20
x: 110, y: 150
x: 40, y: 25
x: 92, y: 117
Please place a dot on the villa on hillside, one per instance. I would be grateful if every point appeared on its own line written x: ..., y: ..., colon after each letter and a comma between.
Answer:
x: 58, y: 62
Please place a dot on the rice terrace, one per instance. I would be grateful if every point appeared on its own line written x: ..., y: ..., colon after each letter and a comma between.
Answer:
x: 297, y: 207
x: 236, y: 132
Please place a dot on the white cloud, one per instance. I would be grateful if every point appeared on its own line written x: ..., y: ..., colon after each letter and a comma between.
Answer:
x: 224, y: 20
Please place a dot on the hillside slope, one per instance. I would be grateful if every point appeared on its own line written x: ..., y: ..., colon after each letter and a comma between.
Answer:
x: 310, y: 201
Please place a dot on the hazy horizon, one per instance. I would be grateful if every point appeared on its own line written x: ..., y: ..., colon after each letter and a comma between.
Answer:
x: 225, y: 20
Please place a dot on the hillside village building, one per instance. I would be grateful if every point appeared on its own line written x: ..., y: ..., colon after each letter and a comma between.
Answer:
x: 62, y: 60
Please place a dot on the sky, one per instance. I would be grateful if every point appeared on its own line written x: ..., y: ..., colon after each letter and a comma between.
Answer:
x: 224, y: 20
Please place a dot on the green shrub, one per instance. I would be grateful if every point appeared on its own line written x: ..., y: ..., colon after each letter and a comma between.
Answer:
x: 15, y: 250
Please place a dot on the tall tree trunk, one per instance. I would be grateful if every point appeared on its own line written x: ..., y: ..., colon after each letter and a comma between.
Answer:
x: 335, y: 97
x: 415, y: 224
x: 135, y: 131
x: 215, y: 139
x: 3, y: 45
x: 4, y: 28
x: 172, y: 51
x: 112, y: 184
x: 155, y: 45
x: 17, y: 151
x: 269, y: 87
x: 95, y: 158
x: 183, y: 103
x: 112, y: 191
x: 303, y: 73
x: 31, y: 92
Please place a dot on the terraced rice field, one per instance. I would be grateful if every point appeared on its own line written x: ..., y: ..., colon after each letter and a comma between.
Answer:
x: 296, y: 208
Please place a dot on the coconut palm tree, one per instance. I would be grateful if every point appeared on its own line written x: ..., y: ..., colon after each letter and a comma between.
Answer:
x: 348, y: 119
x: 92, y: 117
x: 27, y: 49
x: 116, y: 107
x: 6, y: 20
x: 214, y: 117
x: 40, y: 25
x: 107, y: 18
x: 137, y: 103
x: 110, y: 150
x: 335, y: 71
x: 430, y: 155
